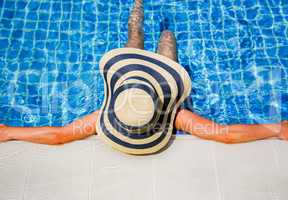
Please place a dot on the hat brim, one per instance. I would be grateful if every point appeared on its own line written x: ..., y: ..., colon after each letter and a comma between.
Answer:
x: 171, y: 82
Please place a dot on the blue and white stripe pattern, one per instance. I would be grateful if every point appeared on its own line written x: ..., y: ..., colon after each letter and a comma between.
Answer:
x: 174, y: 87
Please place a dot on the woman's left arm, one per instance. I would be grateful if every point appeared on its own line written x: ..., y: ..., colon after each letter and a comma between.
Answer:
x: 207, y: 129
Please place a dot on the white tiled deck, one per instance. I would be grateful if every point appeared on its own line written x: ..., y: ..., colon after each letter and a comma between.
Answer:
x: 189, y: 169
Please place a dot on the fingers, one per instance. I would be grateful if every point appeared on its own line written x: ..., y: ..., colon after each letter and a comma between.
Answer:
x: 284, y: 130
x: 167, y: 45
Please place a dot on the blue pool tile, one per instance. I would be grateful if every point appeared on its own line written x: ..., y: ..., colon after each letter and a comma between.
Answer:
x: 33, y: 15
x: 283, y: 51
x: 21, y: 4
x: 30, y: 25
x: 8, y: 14
x: 6, y: 23
x: 4, y: 43
x: 226, y: 46
x: 36, y: 65
x: 33, y: 5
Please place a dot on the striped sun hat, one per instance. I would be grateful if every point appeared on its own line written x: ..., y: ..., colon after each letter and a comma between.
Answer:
x: 142, y: 93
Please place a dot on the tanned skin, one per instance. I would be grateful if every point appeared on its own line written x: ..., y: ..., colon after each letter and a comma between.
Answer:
x: 185, y: 120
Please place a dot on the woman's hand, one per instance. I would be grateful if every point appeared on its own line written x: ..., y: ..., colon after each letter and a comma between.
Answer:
x: 284, y: 131
x: 3, y: 133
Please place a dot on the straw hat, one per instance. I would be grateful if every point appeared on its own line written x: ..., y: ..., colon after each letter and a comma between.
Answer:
x: 142, y: 93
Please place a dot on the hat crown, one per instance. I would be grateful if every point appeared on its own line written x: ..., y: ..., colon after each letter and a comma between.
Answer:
x: 136, y: 105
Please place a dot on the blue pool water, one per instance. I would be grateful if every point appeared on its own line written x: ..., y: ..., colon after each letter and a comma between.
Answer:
x: 235, y: 51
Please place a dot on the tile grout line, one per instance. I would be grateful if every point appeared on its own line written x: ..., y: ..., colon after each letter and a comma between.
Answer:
x: 216, y: 171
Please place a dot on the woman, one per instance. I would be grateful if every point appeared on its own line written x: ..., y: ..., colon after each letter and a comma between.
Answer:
x: 185, y: 119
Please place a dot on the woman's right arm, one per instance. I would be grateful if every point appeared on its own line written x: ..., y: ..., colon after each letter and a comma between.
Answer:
x: 77, y: 130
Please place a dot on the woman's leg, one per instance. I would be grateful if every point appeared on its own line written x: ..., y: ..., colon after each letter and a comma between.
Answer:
x: 167, y: 45
x: 135, y: 26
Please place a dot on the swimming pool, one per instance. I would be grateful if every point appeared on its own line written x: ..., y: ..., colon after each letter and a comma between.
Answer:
x: 236, y: 53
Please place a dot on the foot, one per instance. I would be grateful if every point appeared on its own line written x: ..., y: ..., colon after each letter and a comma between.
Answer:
x: 3, y: 134
x: 284, y: 130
